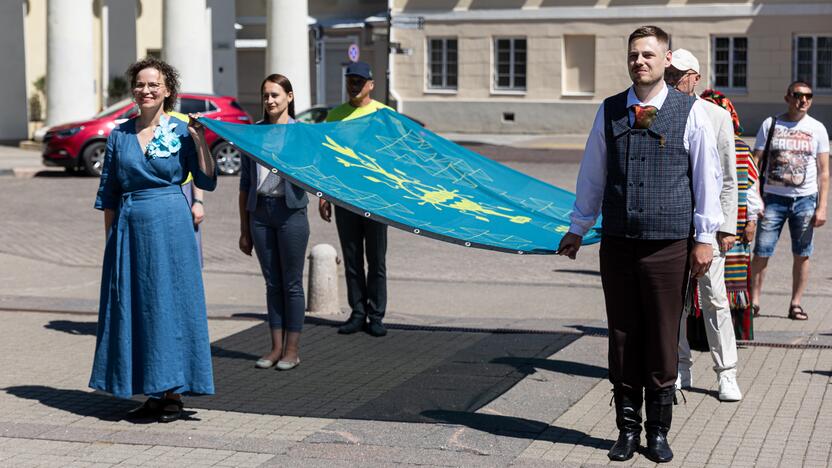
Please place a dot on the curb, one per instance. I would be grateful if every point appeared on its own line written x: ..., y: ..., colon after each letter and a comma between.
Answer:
x: 28, y: 172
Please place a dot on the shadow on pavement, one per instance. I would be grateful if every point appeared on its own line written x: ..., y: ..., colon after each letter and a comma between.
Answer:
x: 250, y: 315
x: 578, y: 271
x: 56, y: 174
x: 412, y: 370
x: 818, y: 372
x: 91, y: 328
x: 87, y: 404
x: 220, y: 352
x: 72, y: 327
x: 529, y: 365
x: 517, y: 427
x: 703, y: 391
x: 78, y: 402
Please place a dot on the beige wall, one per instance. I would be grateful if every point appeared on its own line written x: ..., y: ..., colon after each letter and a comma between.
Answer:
x: 148, y: 26
x: 35, y: 32
x: 769, y: 59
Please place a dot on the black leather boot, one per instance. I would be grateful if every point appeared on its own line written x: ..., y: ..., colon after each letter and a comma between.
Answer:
x: 356, y: 323
x: 628, y: 420
x: 376, y: 328
x: 659, y: 409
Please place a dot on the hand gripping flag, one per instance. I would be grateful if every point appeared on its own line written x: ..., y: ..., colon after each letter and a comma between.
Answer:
x: 389, y: 169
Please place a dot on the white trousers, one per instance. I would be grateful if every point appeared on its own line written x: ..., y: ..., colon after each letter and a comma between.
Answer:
x: 718, y: 325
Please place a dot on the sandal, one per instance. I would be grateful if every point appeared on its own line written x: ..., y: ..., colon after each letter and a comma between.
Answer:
x: 755, y: 310
x: 148, y: 410
x: 170, y: 410
x: 796, y: 313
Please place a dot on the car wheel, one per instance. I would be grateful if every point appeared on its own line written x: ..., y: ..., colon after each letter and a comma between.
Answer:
x: 227, y: 157
x: 93, y: 158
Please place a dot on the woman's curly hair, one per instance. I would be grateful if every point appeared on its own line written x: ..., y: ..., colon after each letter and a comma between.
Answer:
x: 169, y: 74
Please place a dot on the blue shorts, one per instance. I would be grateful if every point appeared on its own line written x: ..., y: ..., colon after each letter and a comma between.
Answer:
x: 799, y: 213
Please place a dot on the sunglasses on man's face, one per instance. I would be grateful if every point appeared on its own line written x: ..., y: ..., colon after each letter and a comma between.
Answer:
x: 798, y: 95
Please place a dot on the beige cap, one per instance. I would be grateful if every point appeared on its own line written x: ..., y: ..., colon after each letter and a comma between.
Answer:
x: 683, y: 60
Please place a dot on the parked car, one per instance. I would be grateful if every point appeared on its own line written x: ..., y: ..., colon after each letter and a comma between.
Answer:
x: 317, y: 114
x: 80, y: 146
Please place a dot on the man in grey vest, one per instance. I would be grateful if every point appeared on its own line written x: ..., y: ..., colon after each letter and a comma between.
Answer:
x: 683, y: 75
x: 651, y: 166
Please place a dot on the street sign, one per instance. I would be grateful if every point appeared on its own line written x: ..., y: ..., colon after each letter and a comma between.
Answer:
x: 408, y: 22
x: 353, y: 52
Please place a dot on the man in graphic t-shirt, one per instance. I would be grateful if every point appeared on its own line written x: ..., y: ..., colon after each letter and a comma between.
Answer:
x: 796, y: 185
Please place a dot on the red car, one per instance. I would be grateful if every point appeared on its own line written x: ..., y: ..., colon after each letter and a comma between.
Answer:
x: 80, y: 146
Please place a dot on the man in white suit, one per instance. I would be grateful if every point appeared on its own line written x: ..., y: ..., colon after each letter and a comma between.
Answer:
x: 683, y: 74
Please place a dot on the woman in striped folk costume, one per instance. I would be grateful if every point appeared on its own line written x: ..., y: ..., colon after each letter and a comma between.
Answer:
x: 738, y: 259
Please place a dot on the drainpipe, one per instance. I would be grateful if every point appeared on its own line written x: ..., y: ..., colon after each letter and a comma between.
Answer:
x: 391, y: 92
x: 320, y: 83
x: 105, y: 56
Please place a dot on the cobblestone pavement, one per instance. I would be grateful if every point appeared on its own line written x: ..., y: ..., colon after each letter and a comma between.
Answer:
x: 558, y: 415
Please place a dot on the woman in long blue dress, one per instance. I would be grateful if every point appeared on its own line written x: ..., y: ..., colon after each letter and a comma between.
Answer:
x: 152, y: 325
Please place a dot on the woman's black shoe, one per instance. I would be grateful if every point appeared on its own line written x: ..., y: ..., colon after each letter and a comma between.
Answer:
x: 170, y: 410
x: 148, y: 410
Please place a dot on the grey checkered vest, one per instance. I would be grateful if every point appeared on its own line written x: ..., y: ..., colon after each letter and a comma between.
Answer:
x: 648, y: 194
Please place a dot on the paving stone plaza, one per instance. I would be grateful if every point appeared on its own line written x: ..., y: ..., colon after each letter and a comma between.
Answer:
x: 491, y: 359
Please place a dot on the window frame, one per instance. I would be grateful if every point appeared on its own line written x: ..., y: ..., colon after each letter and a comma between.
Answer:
x: 730, y: 88
x: 511, y: 89
x: 815, y: 88
x: 444, y: 88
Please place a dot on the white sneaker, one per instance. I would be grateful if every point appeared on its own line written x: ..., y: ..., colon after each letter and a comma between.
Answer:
x: 728, y: 388
x: 684, y: 379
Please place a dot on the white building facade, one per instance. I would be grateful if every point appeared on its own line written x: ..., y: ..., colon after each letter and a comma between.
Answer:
x: 544, y: 66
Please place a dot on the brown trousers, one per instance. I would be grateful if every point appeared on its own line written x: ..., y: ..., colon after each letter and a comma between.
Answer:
x: 644, y: 288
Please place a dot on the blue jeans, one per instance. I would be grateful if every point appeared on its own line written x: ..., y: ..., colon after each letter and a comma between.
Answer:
x: 798, y: 212
x: 280, y: 235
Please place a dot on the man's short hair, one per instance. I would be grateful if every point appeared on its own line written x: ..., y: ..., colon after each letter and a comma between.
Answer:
x: 795, y: 84
x: 650, y: 31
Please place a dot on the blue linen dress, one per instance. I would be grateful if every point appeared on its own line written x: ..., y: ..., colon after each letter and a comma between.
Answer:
x: 152, y: 324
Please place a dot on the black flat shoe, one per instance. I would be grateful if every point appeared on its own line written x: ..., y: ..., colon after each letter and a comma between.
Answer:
x: 170, y: 410
x: 150, y: 409
x: 376, y: 328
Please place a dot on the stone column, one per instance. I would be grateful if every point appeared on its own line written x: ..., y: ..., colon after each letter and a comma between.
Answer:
x: 186, y: 43
x: 70, y: 75
x: 287, y: 51
x: 13, y: 122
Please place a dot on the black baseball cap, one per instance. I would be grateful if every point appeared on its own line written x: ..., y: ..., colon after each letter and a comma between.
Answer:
x: 361, y: 69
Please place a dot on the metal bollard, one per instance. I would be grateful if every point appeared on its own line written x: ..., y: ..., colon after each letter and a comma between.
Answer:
x: 322, y: 291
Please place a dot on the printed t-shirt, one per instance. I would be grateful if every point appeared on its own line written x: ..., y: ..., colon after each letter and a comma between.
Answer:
x: 792, y: 169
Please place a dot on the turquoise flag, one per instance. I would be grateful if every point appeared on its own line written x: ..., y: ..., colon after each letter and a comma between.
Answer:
x: 389, y: 169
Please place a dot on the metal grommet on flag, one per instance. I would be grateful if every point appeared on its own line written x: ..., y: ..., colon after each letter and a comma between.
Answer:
x: 319, y: 194
x: 520, y: 252
x: 467, y: 244
x: 274, y: 171
x: 416, y: 231
x: 366, y: 214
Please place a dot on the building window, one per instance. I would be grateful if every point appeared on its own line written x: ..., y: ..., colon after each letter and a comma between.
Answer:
x: 813, y: 61
x: 442, y: 63
x: 579, y: 65
x: 510, y: 64
x: 730, y: 63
